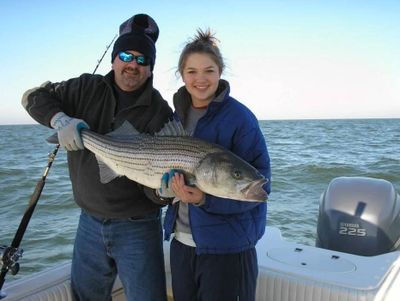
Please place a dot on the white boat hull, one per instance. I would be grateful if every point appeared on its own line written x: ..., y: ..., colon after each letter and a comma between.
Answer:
x: 287, y: 272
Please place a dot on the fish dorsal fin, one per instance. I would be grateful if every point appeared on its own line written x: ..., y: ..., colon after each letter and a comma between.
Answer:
x: 125, y: 130
x: 172, y: 128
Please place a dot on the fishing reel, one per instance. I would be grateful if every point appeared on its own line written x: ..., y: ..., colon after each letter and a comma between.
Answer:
x: 9, y: 262
x: 9, y: 259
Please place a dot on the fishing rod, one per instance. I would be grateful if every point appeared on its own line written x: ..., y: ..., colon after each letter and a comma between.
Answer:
x: 11, y: 254
x: 107, y: 47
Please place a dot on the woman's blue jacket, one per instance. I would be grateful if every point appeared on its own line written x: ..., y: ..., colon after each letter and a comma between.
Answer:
x: 223, y: 225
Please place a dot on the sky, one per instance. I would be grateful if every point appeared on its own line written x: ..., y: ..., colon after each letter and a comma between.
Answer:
x: 286, y: 59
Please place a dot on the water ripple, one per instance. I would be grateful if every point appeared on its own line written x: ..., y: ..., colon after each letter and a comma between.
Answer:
x: 305, y: 154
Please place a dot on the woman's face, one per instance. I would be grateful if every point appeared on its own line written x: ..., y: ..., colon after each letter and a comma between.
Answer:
x: 201, y: 75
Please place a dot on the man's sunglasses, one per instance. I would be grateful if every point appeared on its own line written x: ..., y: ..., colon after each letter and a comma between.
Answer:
x: 129, y: 57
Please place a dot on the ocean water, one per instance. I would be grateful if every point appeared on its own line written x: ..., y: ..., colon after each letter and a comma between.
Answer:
x: 305, y: 156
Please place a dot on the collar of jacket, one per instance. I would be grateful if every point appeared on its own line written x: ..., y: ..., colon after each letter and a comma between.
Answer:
x: 183, y: 100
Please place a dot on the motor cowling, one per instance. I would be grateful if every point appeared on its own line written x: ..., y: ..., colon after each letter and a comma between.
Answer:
x: 359, y: 215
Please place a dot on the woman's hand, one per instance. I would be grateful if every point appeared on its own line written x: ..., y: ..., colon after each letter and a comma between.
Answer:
x: 185, y: 193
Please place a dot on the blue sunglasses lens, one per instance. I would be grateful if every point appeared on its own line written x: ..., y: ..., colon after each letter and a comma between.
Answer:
x: 129, y: 57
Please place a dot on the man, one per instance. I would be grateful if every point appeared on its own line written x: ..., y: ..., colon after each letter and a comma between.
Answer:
x: 119, y: 229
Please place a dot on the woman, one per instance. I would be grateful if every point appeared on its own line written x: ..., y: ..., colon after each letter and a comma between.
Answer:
x: 213, y: 254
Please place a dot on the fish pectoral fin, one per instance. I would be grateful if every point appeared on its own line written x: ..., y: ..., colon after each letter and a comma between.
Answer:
x: 106, y: 173
x: 190, y: 179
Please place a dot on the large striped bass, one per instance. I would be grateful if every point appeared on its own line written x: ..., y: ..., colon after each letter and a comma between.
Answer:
x: 144, y: 158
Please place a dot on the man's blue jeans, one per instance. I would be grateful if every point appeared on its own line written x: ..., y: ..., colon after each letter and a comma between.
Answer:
x: 131, y: 248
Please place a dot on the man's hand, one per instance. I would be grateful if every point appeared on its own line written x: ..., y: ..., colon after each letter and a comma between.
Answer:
x: 68, y: 131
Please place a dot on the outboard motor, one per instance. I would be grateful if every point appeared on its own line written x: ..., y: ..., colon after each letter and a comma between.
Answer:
x: 360, y: 216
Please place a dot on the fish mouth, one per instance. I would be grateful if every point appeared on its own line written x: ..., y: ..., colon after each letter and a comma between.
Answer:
x: 255, y: 191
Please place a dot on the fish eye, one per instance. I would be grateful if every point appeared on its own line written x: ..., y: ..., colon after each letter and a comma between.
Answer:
x: 237, y: 174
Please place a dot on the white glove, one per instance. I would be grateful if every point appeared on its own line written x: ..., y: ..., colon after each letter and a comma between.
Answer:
x: 166, y: 181
x: 68, y: 131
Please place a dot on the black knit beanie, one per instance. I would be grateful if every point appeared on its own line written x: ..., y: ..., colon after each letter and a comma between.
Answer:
x: 138, y: 33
